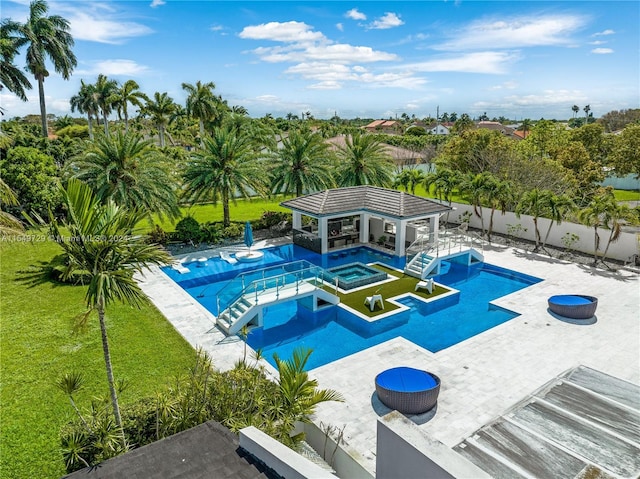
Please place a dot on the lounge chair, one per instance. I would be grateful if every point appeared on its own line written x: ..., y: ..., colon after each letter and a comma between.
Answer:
x: 428, y: 285
x: 372, y: 300
x: 180, y: 268
x: 227, y: 257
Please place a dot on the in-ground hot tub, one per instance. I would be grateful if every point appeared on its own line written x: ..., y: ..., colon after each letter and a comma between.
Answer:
x: 354, y: 275
x: 574, y: 306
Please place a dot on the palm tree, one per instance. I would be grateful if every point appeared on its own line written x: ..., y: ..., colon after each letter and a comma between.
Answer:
x: 474, y: 186
x: 364, y: 161
x: 86, y: 102
x: 45, y: 37
x: 129, y: 92
x: 575, y: 109
x: 298, y: 394
x: 586, y: 110
x: 105, y: 250
x: 226, y: 166
x: 409, y: 179
x: 557, y: 207
x: 303, y: 164
x: 598, y: 214
x: 160, y: 109
x: 201, y: 103
x: 11, y: 76
x: 535, y: 203
x: 130, y: 171
x: 444, y: 181
x: 9, y: 224
x: 498, y: 195
x: 105, y: 91
x: 525, y: 127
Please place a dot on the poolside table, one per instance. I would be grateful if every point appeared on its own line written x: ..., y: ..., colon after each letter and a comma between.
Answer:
x: 574, y: 306
x: 408, y: 390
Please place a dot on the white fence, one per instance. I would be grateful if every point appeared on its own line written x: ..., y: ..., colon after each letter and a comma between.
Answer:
x: 623, y: 249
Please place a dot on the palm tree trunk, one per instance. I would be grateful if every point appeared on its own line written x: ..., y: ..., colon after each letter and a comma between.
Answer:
x: 596, y: 244
x: 226, y: 217
x: 161, y: 135
x: 90, y: 126
x: 107, y: 361
x: 535, y: 226
x: 43, y: 106
x: 201, y: 131
x: 106, y: 123
x: 126, y: 122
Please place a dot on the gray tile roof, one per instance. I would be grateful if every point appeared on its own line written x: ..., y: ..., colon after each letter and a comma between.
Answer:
x: 373, y: 199
x: 206, y: 451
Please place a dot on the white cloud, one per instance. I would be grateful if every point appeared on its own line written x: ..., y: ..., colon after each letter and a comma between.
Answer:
x: 508, y: 85
x: 388, y: 20
x: 480, y: 62
x: 515, y: 32
x: 282, y: 32
x: 216, y: 28
x: 547, y: 97
x: 604, y: 32
x: 340, y: 26
x: 157, y: 3
x: 354, y: 14
x: 338, y: 52
x: 602, y: 51
x: 116, y: 67
x: 326, y: 85
x: 597, y: 42
x: 102, y: 30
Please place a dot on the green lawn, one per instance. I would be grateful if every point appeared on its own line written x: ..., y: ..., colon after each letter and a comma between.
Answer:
x: 627, y: 195
x: 244, y: 210
x: 37, y: 345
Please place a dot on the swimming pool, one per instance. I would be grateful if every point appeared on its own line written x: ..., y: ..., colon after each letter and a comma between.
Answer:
x: 334, y: 333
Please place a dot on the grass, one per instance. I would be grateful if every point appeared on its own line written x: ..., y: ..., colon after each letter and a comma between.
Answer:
x: 627, y: 195
x: 243, y: 210
x: 402, y: 285
x: 37, y: 345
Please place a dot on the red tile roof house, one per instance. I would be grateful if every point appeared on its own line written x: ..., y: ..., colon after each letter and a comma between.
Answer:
x: 385, y: 126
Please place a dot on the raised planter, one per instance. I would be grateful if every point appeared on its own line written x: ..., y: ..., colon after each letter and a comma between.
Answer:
x: 574, y: 306
x: 408, y: 390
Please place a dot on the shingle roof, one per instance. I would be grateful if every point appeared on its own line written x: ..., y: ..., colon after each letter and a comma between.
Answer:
x: 373, y: 199
x: 206, y: 451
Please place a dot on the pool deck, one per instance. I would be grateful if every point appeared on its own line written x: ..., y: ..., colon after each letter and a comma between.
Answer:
x: 483, y: 376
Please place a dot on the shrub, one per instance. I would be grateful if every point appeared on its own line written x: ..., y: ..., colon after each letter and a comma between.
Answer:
x: 234, y: 230
x: 188, y: 229
x: 158, y: 236
x: 212, y: 232
x: 272, y: 218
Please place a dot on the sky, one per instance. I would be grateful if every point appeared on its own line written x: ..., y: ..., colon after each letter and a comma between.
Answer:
x: 377, y: 59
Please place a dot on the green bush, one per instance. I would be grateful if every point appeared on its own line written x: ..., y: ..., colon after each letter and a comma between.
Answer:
x: 188, y: 229
x: 233, y: 231
x: 212, y: 232
x: 74, y: 131
x: 158, y: 236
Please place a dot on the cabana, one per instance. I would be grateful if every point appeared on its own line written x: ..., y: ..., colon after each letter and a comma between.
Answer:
x: 341, y: 217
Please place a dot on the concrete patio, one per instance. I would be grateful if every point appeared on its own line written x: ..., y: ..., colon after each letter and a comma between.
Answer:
x: 483, y: 376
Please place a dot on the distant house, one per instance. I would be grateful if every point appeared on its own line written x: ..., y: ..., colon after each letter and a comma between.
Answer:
x: 384, y: 126
x: 496, y: 126
x: 521, y: 134
x: 439, y: 129
x: 400, y: 156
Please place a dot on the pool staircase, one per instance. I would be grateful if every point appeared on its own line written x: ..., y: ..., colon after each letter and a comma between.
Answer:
x: 241, y: 302
x: 427, y: 255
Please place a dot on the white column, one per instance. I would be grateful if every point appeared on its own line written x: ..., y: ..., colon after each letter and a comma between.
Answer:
x: 297, y: 220
x: 364, y: 228
x: 435, y: 227
x: 323, y: 233
x: 401, y: 234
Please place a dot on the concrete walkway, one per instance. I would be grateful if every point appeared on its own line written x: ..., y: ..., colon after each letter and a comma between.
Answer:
x: 483, y: 376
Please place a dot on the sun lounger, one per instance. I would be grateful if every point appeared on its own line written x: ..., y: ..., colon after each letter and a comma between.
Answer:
x: 180, y: 268
x: 227, y: 257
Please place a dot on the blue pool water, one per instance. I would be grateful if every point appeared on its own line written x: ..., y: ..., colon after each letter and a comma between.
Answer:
x: 334, y: 333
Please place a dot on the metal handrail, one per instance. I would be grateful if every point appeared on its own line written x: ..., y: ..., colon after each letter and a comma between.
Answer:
x: 272, y: 277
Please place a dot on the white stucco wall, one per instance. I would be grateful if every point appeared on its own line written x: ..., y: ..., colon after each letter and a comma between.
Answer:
x: 623, y: 249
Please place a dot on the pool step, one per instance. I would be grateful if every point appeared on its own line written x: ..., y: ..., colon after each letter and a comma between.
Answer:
x: 233, y: 313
